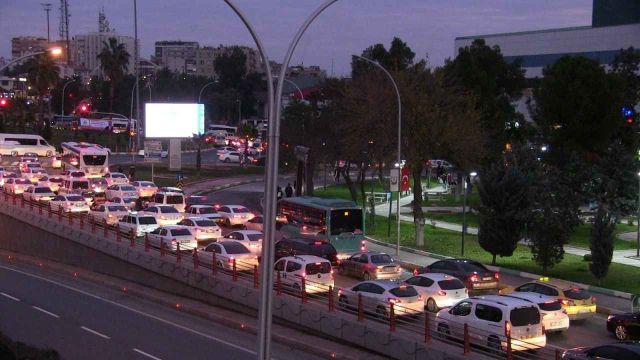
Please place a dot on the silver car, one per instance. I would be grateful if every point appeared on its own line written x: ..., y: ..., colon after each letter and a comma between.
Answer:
x: 378, y: 295
x: 370, y: 265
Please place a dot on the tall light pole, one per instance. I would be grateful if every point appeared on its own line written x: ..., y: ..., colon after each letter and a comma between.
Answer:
x: 136, y: 60
x: 638, y: 219
x: 297, y: 88
x: 204, y: 87
x: 467, y: 180
x: 55, y: 52
x: 63, y: 88
x: 399, y: 157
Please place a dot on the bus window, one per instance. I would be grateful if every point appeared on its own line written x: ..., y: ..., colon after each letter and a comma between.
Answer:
x: 346, y: 221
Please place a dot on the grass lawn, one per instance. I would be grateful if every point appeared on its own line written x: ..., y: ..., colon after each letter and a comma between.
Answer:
x: 341, y: 191
x: 164, y: 177
x: 456, y: 218
x: 572, y: 268
x: 582, y: 234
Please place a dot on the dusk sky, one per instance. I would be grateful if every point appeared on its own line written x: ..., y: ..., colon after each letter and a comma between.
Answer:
x: 349, y: 26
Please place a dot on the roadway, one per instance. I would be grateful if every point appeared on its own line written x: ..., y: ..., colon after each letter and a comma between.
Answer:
x: 83, y: 320
x: 581, y: 333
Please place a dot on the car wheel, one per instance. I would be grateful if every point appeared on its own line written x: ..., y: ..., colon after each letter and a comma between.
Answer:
x: 227, y: 160
x: 431, y: 306
x: 493, y: 343
x: 443, y: 331
x: 381, y: 312
x: 621, y: 332
x: 366, y: 276
x: 219, y: 265
x: 49, y: 153
x: 343, y: 302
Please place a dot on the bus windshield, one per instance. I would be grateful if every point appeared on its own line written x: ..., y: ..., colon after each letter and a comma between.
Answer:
x: 346, y: 221
x: 94, y: 160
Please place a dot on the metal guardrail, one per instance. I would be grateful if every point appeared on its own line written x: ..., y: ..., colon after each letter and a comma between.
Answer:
x: 423, y: 325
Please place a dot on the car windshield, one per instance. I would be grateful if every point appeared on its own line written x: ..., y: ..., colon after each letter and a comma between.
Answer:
x: 404, y: 291
x: 240, y: 210
x: 321, y: 249
x: 346, y: 221
x: 94, y: 160
x: 525, y: 316
x: 42, y: 190
x: 318, y: 268
x: 381, y: 259
x: 175, y: 199
x: 127, y: 188
x: 75, y: 198
x: 80, y: 185
x: 34, y: 166
x: 168, y: 210
x: 180, y: 232
x: 118, y: 176
x: 147, y: 220
x: 550, y: 305
x: 236, y: 248
x: 207, y: 210
x: 116, y: 208
x: 577, y: 294
x: 254, y: 237
x: 472, y: 266
x: 205, y: 223
x: 451, y: 284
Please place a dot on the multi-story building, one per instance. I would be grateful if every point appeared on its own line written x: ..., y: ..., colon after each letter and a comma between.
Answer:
x: 205, y: 61
x: 24, y: 45
x: 86, y: 47
x: 178, y: 56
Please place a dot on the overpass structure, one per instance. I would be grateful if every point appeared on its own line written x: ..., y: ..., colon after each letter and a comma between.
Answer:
x: 33, y: 228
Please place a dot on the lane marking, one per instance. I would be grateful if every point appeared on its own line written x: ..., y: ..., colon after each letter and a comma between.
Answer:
x: 146, y: 354
x: 142, y: 313
x: 46, y: 312
x: 9, y: 296
x: 95, y: 332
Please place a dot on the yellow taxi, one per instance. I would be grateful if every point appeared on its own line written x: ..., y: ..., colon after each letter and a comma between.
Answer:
x: 577, y: 302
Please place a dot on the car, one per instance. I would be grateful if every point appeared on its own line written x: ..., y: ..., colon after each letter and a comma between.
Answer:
x: 196, y: 200
x: 624, y: 350
x: 229, y: 157
x: 321, y: 248
x: 436, y: 163
x: 139, y: 223
x: 554, y: 317
x: 2, y: 169
x: 370, y: 265
x: 257, y: 160
x: 378, y: 295
x: 174, y: 237
x: 116, y: 178
x: 24, y: 163
x: 473, y: 274
x: 7, y: 175
x: 578, y: 302
x: 226, y: 253
x: 168, y: 198
x: 205, y: 211
x: 171, y: 189
x: 489, y: 317
x: 73, y: 174
x: 56, y: 162
x: 129, y: 202
x: 33, y: 174
x: 225, y: 149
x: 121, y: 190
x: 53, y: 182
x: 316, y: 272
x: 165, y: 214
x: 624, y: 326
x: 74, y: 185
x: 204, y: 229
x: 145, y: 188
x: 250, y: 238
x: 30, y: 155
x: 38, y: 193
x: 235, y: 214
x: 98, y: 185
x: 255, y: 224
x: 438, y: 290
x: 16, y: 186
x: 108, y: 212
x: 69, y: 203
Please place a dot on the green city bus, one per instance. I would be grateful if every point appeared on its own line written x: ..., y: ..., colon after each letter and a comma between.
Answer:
x: 337, y: 221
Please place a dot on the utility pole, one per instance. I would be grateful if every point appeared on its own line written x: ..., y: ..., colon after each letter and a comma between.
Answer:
x: 47, y: 9
x: 64, y: 27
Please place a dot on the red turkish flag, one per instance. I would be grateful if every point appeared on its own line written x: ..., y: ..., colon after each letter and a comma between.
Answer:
x: 404, y: 184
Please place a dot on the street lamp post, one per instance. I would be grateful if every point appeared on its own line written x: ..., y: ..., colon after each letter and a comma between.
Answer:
x: 56, y: 51
x: 399, y: 158
x: 63, y: 88
x: 467, y: 180
x: 203, y: 87
x: 297, y: 88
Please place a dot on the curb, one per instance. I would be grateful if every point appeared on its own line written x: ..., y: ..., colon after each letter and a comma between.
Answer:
x: 133, y: 291
x: 594, y: 289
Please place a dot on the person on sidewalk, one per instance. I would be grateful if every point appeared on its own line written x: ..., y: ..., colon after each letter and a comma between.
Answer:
x: 288, y: 191
x: 279, y: 193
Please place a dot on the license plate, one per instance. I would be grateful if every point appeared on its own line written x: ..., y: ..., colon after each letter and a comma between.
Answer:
x: 487, y: 278
x: 584, y: 311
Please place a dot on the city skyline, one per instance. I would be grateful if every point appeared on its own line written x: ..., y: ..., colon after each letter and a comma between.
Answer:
x: 427, y: 27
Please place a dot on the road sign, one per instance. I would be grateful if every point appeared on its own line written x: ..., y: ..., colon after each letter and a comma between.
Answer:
x: 394, y: 179
x: 152, y: 151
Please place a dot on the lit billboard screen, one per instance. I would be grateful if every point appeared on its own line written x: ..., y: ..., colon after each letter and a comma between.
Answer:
x: 173, y: 120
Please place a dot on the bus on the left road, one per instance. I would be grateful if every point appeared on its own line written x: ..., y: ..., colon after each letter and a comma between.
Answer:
x: 91, y: 158
x: 18, y: 144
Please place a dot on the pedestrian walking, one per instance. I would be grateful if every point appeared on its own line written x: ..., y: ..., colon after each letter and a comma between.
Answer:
x: 279, y: 193
x: 288, y: 191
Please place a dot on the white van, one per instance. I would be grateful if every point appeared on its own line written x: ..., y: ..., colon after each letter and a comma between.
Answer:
x: 19, y: 144
x: 315, y: 270
x: 169, y: 198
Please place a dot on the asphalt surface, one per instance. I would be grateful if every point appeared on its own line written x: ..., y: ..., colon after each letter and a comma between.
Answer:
x: 86, y: 321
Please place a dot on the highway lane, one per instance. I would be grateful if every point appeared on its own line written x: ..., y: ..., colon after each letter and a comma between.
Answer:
x: 86, y: 321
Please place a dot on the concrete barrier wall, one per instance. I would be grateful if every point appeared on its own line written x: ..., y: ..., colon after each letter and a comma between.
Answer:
x: 25, y: 231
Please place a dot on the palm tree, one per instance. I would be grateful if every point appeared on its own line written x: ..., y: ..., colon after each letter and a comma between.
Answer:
x: 42, y: 74
x: 114, y: 63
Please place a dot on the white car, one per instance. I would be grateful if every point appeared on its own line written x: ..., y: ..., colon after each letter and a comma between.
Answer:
x: 171, y: 189
x: 490, y: 317
x: 33, y: 174
x: 16, y: 185
x: 228, y: 251
x: 173, y: 235
x: 235, y: 214
x: 439, y: 290
x: 7, y: 175
x: 225, y: 149
x: 53, y: 182
x: 73, y: 174
x: 315, y: 270
x: 205, y: 211
x: 165, y: 214
x: 250, y: 238
x: 24, y: 163
x: 56, y: 162
x: 203, y: 228
x: 98, y: 185
x: 109, y: 212
x: 378, y: 295
x: 38, y: 193
x: 229, y: 157
x: 128, y: 202
x: 174, y: 199
x: 116, y: 178
x: 554, y: 317
x: 145, y: 188
x: 121, y: 190
x: 138, y: 222
x: 69, y: 203
x: 255, y: 224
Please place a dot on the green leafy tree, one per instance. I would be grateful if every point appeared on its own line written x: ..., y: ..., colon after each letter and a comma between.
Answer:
x: 114, y: 63
x: 626, y: 69
x: 399, y: 57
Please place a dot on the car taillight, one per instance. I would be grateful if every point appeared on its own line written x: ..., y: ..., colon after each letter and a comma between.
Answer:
x: 393, y: 300
x: 474, y: 278
x: 362, y: 249
x: 362, y: 243
x: 593, y: 299
x: 442, y: 293
x: 496, y: 275
x: 173, y: 242
x: 231, y: 260
x: 415, y: 272
x: 304, y: 274
x: 339, y: 291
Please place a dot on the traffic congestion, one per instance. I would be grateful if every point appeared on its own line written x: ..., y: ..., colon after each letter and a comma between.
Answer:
x: 321, y: 246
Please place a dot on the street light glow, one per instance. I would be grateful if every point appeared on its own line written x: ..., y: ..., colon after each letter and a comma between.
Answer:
x: 473, y: 173
x: 56, y: 51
